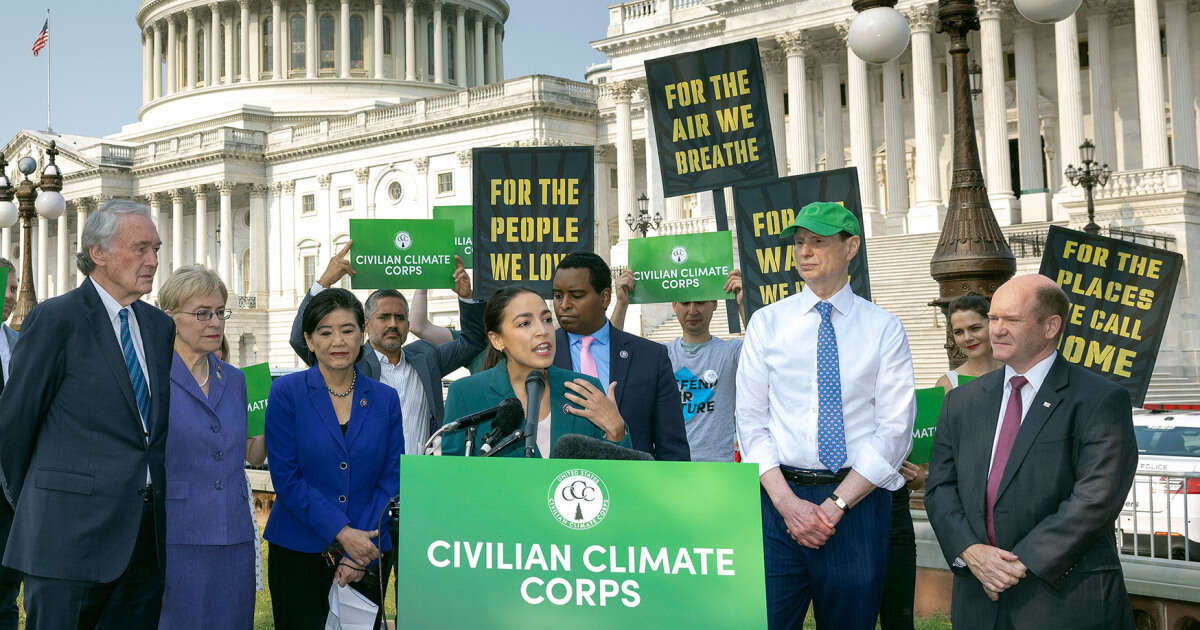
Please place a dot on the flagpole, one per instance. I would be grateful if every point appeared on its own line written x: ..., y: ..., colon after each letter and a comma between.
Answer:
x: 49, y: 129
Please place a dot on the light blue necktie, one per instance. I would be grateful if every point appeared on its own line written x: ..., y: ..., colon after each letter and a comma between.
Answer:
x: 136, y: 378
x: 831, y: 433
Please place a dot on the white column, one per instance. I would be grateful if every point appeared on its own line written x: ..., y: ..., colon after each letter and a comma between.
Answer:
x: 81, y: 213
x: 377, y: 38
x: 773, y: 81
x: 254, y: 47
x: 799, y: 145
x: 156, y: 217
x: 1099, y: 72
x: 190, y: 62
x: 1034, y: 190
x: 201, y: 225
x: 493, y: 70
x: 601, y: 165
x: 172, y: 58
x: 244, y: 40
x: 60, y: 256
x: 147, y: 68
x: 439, y: 49
x: 343, y: 44
x: 480, y: 79
x: 229, y: 76
x: 42, y: 273
x: 831, y: 94
x: 157, y: 61
x: 310, y: 39
x: 1151, y: 110
x: 998, y: 177
x: 258, y: 242
x: 1070, y: 101
x: 176, y: 246
x: 895, y: 167
x: 460, y: 46
x: 410, y: 42
x: 654, y: 186
x: 212, y: 75
x: 225, y: 260
x: 622, y: 94
x: 278, y: 24
x: 862, y: 146
x: 927, y: 211
x: 1183, y: 111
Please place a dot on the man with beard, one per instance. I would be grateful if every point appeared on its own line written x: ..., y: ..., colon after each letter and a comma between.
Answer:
x: 415, y: 370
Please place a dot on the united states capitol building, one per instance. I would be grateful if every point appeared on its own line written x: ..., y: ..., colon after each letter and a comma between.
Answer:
x: 266, y: 125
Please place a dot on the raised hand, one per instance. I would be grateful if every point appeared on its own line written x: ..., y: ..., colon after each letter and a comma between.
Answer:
x: 337, y: 268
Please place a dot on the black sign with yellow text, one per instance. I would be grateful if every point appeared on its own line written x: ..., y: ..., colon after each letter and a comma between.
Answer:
x: 762, y: 211
x: 710, y: 118
x: 1121, y: 294
x: 532, y: 206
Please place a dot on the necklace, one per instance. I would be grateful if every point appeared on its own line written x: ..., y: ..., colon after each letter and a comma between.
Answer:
x: 348, y: 391
x: 206, y: 376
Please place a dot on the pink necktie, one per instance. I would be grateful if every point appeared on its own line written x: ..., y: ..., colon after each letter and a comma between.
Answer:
x: 587, y: 363
x: 1008, y: 435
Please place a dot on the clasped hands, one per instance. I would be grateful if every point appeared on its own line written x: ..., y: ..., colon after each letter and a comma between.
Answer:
x: 996, y: 569
x: 809, y: 524
x: 359, y: 552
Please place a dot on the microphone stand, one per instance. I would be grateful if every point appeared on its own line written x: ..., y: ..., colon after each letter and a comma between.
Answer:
x: 512, y: 438
x: 469, y: 443
x: 535, y: 384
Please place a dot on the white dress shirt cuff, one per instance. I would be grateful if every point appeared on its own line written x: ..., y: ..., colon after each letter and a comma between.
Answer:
x: 876, y: 469
x: 315, y: 289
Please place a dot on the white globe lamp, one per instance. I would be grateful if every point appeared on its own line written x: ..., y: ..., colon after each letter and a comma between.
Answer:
x: 1046, y: 11
x: 878, y: 35
x: 50, y: 204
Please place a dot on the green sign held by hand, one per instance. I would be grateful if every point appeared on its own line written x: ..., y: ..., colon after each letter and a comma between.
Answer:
x: 681, y: 267
x: 402, y: 253
x: 258, y: 388
x: 464, y: 230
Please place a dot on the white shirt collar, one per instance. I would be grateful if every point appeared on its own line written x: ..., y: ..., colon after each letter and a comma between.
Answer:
x: 1036, y: 375
x: 841, y: 301
x: 384, y: 361
x: 110, y: 303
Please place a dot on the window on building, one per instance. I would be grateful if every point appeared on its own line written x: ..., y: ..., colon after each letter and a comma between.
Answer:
x: 297, y: 39
x: 345, y: 198
x: 1083, y: 54
x: 387, y: 35
x: 268, y: 46
x: 328, y: 52
x: 308, y: 260
x: 450, y: 54
x: 219, y: 71
x: 338, y: 244
x: 395, y: 192
x: 199, y: 56
x: 237, y: 49
x: 445, y: 183
x: 308, y: 204
x: 430, y: 56
x: 356, y: 42
x: 612, y: 178
x: 1010, y: 66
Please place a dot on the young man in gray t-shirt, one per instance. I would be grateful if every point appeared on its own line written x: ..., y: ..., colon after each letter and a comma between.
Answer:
x: 705, y: 370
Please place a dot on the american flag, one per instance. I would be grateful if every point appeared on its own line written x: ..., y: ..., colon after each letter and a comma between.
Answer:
x: 43, y: 38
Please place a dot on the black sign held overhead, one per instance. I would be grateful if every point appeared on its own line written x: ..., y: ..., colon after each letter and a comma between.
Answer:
x: 532, y: 207
x: 1121, y: 295
x: 762, y: 211
x: 710, y: 118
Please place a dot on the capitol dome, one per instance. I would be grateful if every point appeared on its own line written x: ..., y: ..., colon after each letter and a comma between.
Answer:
x: 328, y: 55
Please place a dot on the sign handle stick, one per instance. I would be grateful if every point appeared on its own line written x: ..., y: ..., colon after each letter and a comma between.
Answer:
x: 731, y: 307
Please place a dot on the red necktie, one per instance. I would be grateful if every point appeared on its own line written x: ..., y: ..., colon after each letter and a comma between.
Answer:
x: 1008, y: 435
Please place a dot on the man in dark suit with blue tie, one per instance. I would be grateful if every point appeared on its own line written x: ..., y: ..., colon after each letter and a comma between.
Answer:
x: 10, y: 581
x: 84, y: 420
x: 640, y: 369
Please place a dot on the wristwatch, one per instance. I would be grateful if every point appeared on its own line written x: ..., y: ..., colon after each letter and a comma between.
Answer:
x: 838, y: 501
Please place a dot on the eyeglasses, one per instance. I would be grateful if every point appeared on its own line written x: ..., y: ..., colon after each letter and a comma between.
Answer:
x: 204, y: 315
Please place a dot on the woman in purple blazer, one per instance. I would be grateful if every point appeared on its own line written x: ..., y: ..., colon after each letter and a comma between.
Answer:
x: 210, y: 535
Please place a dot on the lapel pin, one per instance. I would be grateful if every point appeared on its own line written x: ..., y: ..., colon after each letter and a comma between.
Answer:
x: 624, y: 354
x: 1045, y: 404
x: 218, y: 371
x: 362, y: 402
x: 565, y: 408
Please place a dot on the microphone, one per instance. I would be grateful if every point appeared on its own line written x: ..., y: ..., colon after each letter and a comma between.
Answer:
x: 507, y: 421
x: 483, y: 416
x: 576, y: 446
x: 535, y: 384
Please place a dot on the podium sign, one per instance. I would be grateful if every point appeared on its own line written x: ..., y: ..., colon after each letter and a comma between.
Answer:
x: 518, y: 543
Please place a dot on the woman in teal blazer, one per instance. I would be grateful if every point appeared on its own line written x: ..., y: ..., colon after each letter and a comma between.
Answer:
x: 520, y: 332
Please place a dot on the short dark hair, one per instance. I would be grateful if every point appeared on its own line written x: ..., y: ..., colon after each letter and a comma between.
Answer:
x: 493, y: 318
x: 328, y: 301
x: 1052, y: 300
x: 379, y: 294
x: 598, y: 271
x: 976, y: 303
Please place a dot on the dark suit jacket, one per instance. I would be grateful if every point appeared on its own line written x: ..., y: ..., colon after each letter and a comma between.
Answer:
x: 489, y: 387
x: 431, y: 362
x: 1064, y: 484
x: 11, y: 337
x: 647, y: 394
x: 73, y: 455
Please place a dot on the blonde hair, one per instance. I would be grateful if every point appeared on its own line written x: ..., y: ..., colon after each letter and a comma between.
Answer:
x: 188, y: 282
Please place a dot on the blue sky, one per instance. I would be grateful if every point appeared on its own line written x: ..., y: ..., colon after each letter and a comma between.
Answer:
x: 96, y: 56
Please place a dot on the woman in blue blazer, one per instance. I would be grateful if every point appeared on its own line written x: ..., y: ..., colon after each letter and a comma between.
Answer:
x: 520, y: 331
x: 210, y: 534
x: 334, y: 438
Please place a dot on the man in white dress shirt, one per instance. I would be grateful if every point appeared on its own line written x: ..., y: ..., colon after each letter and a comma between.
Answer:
x: 825, y: 407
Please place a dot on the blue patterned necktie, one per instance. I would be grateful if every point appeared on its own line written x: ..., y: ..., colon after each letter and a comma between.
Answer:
x: 831, y: 434
x: 136, y: 378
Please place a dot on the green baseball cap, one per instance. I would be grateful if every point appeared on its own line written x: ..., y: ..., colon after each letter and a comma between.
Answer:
x: 825, y: 218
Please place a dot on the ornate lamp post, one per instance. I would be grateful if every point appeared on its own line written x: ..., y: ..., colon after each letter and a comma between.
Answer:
x: 49, y: 204
x: 1088, y: 177
x: 643, y: 222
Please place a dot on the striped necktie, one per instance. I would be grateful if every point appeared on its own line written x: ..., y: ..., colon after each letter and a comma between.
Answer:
x: 136, y: 377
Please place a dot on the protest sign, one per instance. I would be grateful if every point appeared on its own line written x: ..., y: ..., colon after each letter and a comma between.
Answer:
x: 710, y: 118
x: 402, y: 254
x: 929, y: 407
x: 762, y: 211
x: 463, y: 229
x: 681, y: 267
x: 532, y: 207
x: 1121, y: 294
x: 258, y: 387
x: 582, y: 544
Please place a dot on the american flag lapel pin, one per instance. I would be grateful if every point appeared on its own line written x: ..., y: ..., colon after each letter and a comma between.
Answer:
x: 362, y: 402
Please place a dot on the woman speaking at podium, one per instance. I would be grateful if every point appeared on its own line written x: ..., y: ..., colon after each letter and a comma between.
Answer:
x: 520, y: 333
